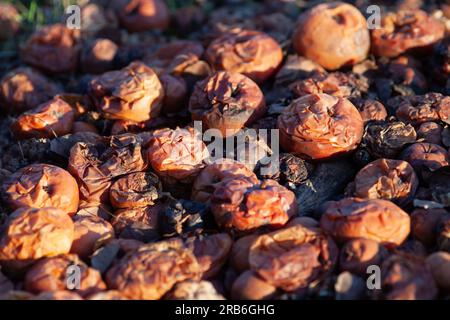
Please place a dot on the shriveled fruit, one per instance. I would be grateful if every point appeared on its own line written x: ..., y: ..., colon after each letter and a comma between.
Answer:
x: 425, y: 157
x: 133, y: 93
x: 98, y: 56
x: 227, y: 101
x: 405, y: 72
x: 424, y: 224
x: 177, y: 155
x: 419, y: 109
x: 239, y: 204
x: 249, y: 286
x: 31, y: 234
x: 211, y: 251
x: 25, y: 88
x: 176, y: 57
x: 138, y: 189
x: 319, y: 126
x: 347, y: 44
x: 54, y: 48
x: 406, y: 277
x: 404, y: 31
x: 251, y: 53
x: 88, y: 231
x: 49, y: 120
x: 214, y: 173
x: 370, y: 110
x: 388, y: 139
x: 41, y: 185
x: 149, y: 274
x: 430, y: 132
x: 358, y: 254
x: 94, y: 165
x: 51, y: 274
x: 293, y: 257
x: 387, y: 179
x: 337, y: 84
x: 142, y: 15
x: 373, y: 219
